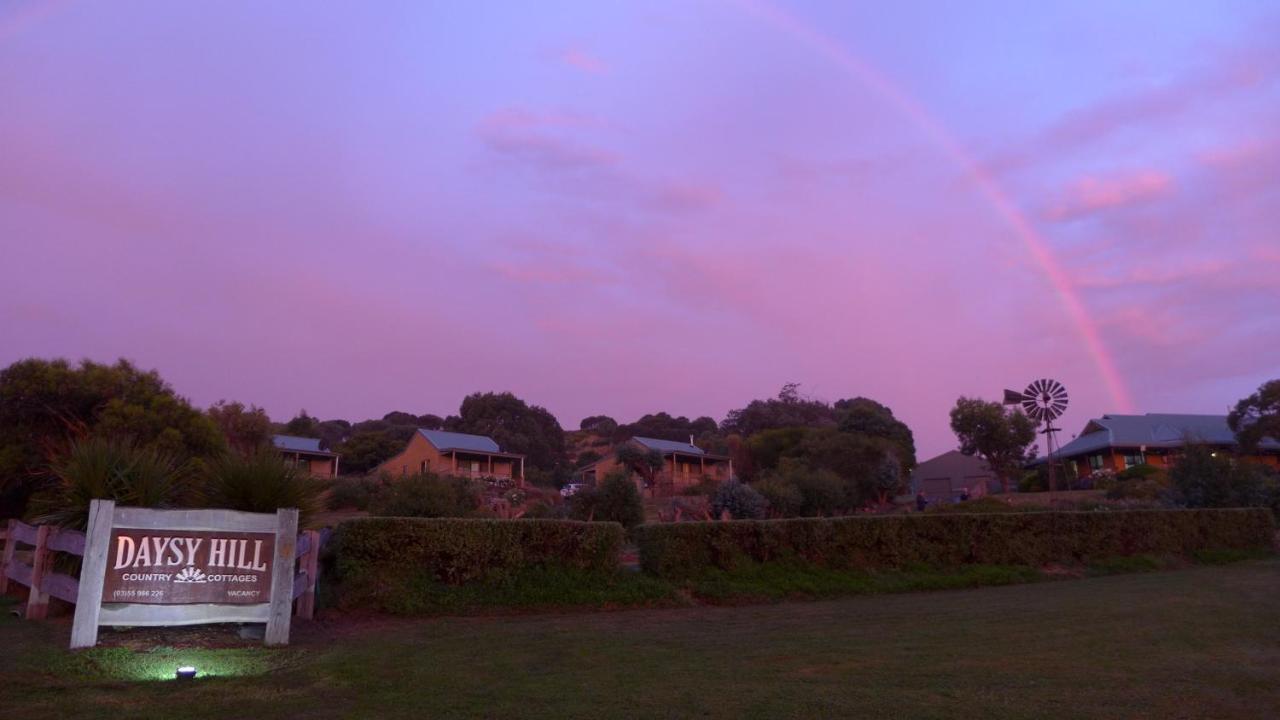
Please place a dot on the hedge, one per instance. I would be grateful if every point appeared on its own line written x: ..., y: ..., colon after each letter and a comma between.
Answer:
x: 686, y: 550
x: 373, y: 560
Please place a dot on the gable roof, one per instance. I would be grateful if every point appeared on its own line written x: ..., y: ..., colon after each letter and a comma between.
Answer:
x: 1160, y: 430
x: 293, y: 443
x: 952, y: 464
x: 668, y: 446
x: 444, y: 440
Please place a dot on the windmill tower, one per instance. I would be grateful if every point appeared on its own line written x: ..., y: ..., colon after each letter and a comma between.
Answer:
x: 1044, y: 401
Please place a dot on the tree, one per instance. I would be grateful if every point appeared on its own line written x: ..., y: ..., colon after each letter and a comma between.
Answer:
x: 366, y: 450
x: 245, y: 429
x: 44, y: 404
x: 867, y: 417
x: 599, y: 424
x: 1257, y: 416
x: 517, y: 427
x: 887, y: 477
x: 663, y: 426
x: 302, y: 425
x: 788, y: 409
x: 642, y: 461
x: 1001, y: 437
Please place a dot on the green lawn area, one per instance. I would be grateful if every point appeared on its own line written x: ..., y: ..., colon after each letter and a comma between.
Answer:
x: 1202, y: 642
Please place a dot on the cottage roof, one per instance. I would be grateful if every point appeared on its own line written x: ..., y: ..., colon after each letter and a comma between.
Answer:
x: 1160, y: 430
x: 444, y: 440
x: 292, y: 443
x: 669, y: 446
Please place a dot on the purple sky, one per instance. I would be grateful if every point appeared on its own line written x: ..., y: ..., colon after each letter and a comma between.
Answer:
x: 623, y: 208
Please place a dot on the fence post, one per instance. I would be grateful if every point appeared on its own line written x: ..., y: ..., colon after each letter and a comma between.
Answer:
x: 311, y: 566
x: 9, y: 545
x: 37, y: 601
x: 282, y: 572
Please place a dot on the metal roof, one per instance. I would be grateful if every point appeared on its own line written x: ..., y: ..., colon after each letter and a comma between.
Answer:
x: 1154, y: 430
x: 667, y: 446
x: 443, y: 440
x: 296, y: 444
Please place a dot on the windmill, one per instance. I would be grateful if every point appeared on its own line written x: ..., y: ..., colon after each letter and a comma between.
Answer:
x: 1044, y: 401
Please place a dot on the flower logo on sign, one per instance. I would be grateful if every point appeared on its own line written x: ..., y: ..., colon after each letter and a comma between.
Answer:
x: 190, y: 574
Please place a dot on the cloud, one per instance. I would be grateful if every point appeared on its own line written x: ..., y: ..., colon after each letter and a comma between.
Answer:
x: 580, y: 59
x: 1091, y: 195
x: 539, y: 139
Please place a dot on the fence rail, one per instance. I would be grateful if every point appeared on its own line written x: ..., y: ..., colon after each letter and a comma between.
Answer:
x: 42, y: 582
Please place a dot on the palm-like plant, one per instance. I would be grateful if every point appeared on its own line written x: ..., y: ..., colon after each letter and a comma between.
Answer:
x: 114, y: 469
x: 259, y: 481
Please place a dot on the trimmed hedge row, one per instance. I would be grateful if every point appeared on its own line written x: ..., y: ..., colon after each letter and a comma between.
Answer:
x: 686, y: 550
x: 372, y: 560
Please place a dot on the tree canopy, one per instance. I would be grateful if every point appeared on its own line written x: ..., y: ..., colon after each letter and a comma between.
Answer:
x: 245, y: 429
x: 517, y: 427
x: 1001, y: 436
x: 46, y: 403
x: 1257, y: 416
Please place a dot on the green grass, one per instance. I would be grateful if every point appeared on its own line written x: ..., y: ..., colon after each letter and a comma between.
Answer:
x: 777, y: 581
x: 1199, y: 642
x: 419, y: 593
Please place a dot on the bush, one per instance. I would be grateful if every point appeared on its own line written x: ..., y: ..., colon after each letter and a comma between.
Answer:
x: 685, y: 550
x: 426, y: 495
x: 98, y: 468
x: 783, y: 496
x: 258, y: 482
x: 385, y: 563
x: 615, y: 500
x: 741, y: 501
x: 1203, y: 478
x: 351, y: 493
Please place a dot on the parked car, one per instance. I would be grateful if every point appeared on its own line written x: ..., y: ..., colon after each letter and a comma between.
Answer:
x: 571, y: 489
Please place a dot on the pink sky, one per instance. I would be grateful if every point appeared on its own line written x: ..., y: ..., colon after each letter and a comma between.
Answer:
x: 645, y: 207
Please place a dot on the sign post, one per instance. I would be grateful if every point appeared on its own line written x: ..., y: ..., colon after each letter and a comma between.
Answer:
x: 185, y: 567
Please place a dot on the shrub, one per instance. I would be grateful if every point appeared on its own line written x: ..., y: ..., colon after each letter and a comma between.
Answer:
x: 947, y: 540
x: 98, y: 468
x: 354, y: 493
x: 615, y: 500
x: 705, y: 487
x: 1203, y: 478
x: 258, y: 482
x: 783, y: 497
x: 426, y: 495
x: 741, y: 501
x: 383, y: 563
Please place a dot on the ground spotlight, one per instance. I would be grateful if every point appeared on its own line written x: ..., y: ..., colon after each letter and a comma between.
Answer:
x: 186, y: 672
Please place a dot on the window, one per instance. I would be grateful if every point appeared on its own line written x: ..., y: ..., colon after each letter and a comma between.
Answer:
x: 1133, y: 458
x: 1095, y: 462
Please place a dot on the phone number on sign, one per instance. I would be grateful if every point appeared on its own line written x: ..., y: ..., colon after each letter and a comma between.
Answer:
x: 137, y: 594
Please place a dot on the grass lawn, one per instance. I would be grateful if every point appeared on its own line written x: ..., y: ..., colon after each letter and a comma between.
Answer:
x: 1203, y: 642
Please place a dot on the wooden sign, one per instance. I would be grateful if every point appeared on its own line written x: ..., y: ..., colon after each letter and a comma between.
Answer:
x: 180, y: 567
x: 185, y: 567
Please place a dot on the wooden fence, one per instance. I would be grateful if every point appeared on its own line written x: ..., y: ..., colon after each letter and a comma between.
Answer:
x: 42, y: 582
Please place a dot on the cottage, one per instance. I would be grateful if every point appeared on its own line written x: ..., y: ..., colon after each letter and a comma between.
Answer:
x: 305, y: 454
x: 951, y: 475
x: 684, y: 465
x: 452, y: 453
x: 1117, y: 442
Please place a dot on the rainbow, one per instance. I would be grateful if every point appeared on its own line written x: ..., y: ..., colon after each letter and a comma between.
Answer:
x: 985, y: 182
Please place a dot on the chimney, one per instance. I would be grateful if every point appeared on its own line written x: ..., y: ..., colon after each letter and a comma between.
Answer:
x: 691, y: 441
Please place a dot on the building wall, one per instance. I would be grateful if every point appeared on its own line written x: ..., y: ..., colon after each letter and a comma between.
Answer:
x: 417, y: 456
x: 321, y: 467
x: 1113, y: 459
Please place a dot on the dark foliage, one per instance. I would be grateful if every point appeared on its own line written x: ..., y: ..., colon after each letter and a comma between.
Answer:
x: 1257, y: 416
x: 615, y: 500
x: 687, y: 550
x: 517, y: 427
